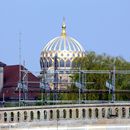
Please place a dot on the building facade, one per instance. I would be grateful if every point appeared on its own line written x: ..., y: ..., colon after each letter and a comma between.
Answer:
x: 66, y: 49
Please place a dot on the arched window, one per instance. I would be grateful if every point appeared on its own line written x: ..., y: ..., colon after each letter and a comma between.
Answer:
x: 41, y: 63
x: 116, y: 112
x: 68, y: 63
x: 64, y: 113
x: 38, y: 115
x: 50, y: 62
x: 47, y: 62
x: 25, y: 115
x: 123, y: 112
x: 58, y: 114
x: 12, y: 116
x: 83, y: 113
x: 18, y: 116
x: 45, y: 114
x: 44, y: 63
x: 96, y: 113
x: 70, y: 113
x: 90, y: 113
x: 77, y: 113
x: 5, y: 117
x: 103, y: 112
x: 51, y: 114
x: 62, y: 63
x: 31, y: 115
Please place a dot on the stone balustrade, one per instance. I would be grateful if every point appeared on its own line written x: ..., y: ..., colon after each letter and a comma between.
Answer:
x: 86, y: 112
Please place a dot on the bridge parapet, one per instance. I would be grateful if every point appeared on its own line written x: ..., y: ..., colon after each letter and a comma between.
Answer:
x: 86, y: 112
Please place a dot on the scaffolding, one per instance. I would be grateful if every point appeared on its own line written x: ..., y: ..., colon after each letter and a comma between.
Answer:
x: 81, y: 84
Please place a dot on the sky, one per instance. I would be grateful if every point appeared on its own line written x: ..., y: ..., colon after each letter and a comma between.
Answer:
x: 102, y: 26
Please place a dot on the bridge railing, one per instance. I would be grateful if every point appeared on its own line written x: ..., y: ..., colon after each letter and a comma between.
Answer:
x: 66, y: 112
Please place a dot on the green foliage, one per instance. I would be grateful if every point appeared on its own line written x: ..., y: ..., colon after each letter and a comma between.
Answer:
x: 92, y: 61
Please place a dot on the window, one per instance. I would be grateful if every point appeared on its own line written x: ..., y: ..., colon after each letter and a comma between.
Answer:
x: 41, y: 63
x: 68, y: 63
x: 62, y: 63
x: 50, y: 63
x: 45, y: 63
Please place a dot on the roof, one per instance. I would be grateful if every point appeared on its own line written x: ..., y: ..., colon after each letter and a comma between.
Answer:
x: 2, y: 64
x: 11, y: 80
x: 11, y: 76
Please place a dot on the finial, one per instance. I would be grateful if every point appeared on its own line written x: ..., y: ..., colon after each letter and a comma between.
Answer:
x: 63, y: 33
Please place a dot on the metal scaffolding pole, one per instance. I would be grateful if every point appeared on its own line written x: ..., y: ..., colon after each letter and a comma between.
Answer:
x: 55, y: 96
x: 113, y: 83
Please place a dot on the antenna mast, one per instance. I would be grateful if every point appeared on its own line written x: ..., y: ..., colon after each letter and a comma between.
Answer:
x: 19, y: 84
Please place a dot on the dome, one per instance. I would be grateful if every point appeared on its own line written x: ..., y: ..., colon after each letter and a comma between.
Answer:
x: 62, y: 43
x: 65, y: 47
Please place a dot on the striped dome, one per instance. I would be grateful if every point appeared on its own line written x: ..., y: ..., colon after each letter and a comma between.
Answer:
x: 62, y: 43
x: 66, y: 48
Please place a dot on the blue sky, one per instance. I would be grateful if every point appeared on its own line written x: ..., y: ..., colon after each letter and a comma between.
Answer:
x: 102, y: 26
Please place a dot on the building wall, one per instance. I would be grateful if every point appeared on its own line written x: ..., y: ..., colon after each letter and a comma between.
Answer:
x: 1, y: 78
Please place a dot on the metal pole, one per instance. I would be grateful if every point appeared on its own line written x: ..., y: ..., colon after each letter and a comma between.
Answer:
x: 79, y: 86
x: 20, y: 57
x: 113, y: 82
x: 19, y: 93
x: 3, y: 99
x: 55, y: 96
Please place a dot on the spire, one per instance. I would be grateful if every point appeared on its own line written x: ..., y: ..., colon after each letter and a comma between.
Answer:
x: 63, y: 33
